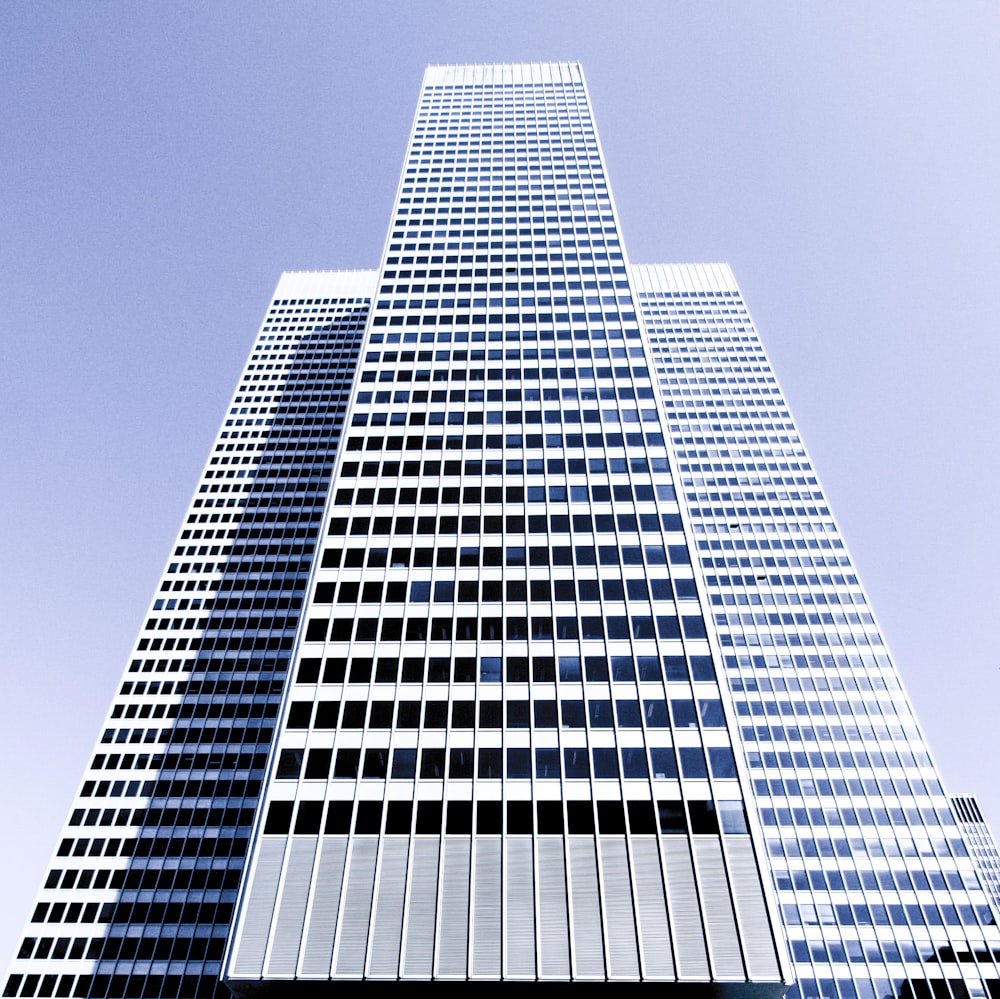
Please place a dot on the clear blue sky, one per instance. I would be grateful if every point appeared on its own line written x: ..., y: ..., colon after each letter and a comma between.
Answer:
x: 162, y: 163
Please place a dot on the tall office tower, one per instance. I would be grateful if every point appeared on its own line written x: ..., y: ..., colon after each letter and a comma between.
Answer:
x: 139, y: 895
x: 981, y: 844
x: 878, y: 894
x: 553, y: 666
x: 476, y: 774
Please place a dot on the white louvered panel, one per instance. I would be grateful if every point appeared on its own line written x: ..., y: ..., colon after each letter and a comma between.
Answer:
x: 287, y: 932
x: 453, y: 922
x: 258, y: 908
x: 717, y: 907
x: 387, y: 926
x: 619, y: 913
x: 387, y: 930
x: 651, y: 907
x: 519, y: 909
x: 317, y: 954
x: 352, y: 937
x: 553, y: 917
x: 585, y: 909
x: 418, y: 948
x: 683, y: 911
x: 485, y: 942
x: 751, y: 911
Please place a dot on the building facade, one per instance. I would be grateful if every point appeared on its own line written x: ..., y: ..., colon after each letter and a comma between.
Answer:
x: 509, y: 636
x: 981, y: 844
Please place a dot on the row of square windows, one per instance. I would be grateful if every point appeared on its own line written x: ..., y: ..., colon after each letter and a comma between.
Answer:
x: 594, y: 442
x: 476, y: 175
x: 561, y: 144
x: 509, y: 354
x: 482, y: 201
x: 487, y: 629
x: 511, y: 374
x: 583, y: 523
x: 549, y: 764
x: 475, y: 494
x: 515, y: 590
x: 573, y: 167
x: 628, y: 713
x: 514, y: 669
x: 494, y: 418
x: 570, y: 146
x: 550, y: 394
x: 621, y: 492
x: 513, y: 556
x: 523, y: 817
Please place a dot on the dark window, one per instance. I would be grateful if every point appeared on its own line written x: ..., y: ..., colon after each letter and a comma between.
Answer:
x: 279, y: 817
x: 490, y: 764
x: 290, y: 763
x: 354, y: 714
x: 299, y: 714
x: 318, y: 764
x: 711, y: 713
x: 432, y: 764
x: 692, y: 761
x: 572, y: 714
x: 463, y: 714
x: 545, y: 714
x: 490, y: 714
x: 408, y: 714
x: 381, y: 714
x: 656, y: 714
x: 671, y: 816
x: 664, y: 763
x: 628, y: 713
x: 576, y: 763
x: 606, y: 763
x: 460, y: 764
x: 404, y: 764
x: 721, y: 760
x: 547, y: 763
x: 519, y: 763
x: 376, y: 763
x: 346, y: 765
x: 436, y: 714
x: 399, y: 815
x: 634, y: 762
x: 518, y: 714
x: 327, y: 713
x: 682, y: 713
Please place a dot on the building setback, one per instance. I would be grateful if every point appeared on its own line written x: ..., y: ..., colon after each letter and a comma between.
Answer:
x: 981, y: 844
x: 509, y: 636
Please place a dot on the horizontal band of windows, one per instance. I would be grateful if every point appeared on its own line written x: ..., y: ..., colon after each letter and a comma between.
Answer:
x: 549, y: 763
x: 514, y: 669
x: 519, y: 334
x: 621, y: 492
x: 522, y: 817
x: 628, y: 712
x: 513, y: 555
x: 625, y: 523
x: 444, y: 629
x: 513, y: 590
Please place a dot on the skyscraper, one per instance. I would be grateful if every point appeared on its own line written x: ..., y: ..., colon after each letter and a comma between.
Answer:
x: 509, y: 635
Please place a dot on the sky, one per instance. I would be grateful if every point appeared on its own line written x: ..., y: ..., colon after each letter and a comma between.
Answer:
x: 162, y: 164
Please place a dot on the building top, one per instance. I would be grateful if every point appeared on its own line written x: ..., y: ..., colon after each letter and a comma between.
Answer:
x: 698, y: 278
x: 307, y: 284
x: 501, y: 73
